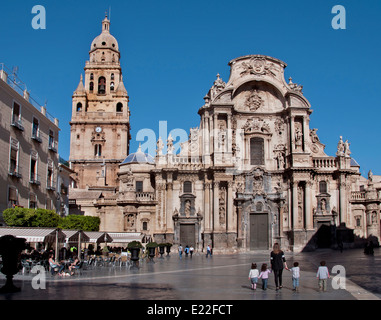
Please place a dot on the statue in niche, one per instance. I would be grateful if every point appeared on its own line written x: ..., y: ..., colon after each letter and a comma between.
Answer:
x: 374, y: 218
x: 280, y: 160
x: 298, y: 137
x: 323, y: 205
x: 130, y: 221
x: 187, y: 208
x: 222, y: 207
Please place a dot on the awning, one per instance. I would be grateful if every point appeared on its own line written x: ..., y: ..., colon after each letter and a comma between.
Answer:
x: 98, y: 236
x: 125, y: 237
x: 34, y: 234
x: 73, y: 236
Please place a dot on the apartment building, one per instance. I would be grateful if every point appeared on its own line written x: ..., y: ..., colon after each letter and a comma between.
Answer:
x: 29, y: 159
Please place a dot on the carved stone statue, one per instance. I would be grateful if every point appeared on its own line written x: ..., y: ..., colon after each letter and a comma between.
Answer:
x: 187, y: 209
x: 347, y: 152
x: 170, y: 147
x: 298, y: 137
x: 160, y: 146
x: 340, y: 147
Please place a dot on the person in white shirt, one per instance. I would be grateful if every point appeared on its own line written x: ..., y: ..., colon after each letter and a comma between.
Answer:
x: 295, y: 276
x: 253, y: 276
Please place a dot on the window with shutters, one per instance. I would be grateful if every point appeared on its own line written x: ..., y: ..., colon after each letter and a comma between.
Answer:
x: 32, y: 201
x: 12, y: 197
x: 257, y: 153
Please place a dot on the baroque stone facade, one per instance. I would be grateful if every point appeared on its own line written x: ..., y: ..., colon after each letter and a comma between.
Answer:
x: 252, y: 173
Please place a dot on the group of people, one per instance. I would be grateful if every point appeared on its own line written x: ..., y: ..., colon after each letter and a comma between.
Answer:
x: 188, y: 250
x: 59, y: 268
x: 278, y: 263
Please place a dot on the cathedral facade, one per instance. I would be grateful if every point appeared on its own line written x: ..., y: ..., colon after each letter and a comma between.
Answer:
x: 251, y: 174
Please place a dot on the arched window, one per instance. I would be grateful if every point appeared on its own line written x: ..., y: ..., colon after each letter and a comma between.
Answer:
x: 79, y: 107
x: 91, y: 76
x: 97, y: 150
x: 187, y: 187
x: 257, y: 153
x: 112, y: 76
x: 119, y: 107
x: 101, y: 85
x: 91, y: 87
x: 112, y: 86
x: 145, y: 225
x: 323, y: 187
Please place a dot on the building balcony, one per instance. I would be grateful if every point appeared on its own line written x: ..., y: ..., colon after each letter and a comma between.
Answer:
x: 17, y: 122
x: 36, y: 137
x: 53, y: 146
x: 145, y: 196
x: 34, y: 179
x: 51, y: 186
x: 15, y: 171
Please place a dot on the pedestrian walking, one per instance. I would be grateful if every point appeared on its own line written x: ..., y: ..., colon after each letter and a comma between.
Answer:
x: 323, y: 276
x: 295, y: 276
x: 180, y: 251
x: 208, y: 251
x: 186, y: 251
x: 191, y: 250
x: 278, y: 262
x: 253, y: 276
x: 264, y: 275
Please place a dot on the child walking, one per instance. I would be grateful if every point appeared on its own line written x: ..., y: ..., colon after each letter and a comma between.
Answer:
x: 253, y: 276
x: 323, y: 275
x: 295, y: 276
x: 264, y: 275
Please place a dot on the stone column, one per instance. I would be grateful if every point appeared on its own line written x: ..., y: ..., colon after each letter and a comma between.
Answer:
x: 169, y: 211
x: 206, y: 141
x: 216, y: 222
x: 292, y: 133
x: 342, y: 196
x: 229, y: 135
x: 207, y: 224
x: 308, y: 209
x: 229, y: 207
x: 295, y: 205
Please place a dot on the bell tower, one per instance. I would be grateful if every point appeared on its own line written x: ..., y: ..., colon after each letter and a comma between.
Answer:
x: 100, y: 125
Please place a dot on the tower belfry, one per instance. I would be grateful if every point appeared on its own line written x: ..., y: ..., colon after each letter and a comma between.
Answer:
x: 100, y: 126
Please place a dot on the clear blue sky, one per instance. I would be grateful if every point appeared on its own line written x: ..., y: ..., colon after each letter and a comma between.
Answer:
x: 171, y: 52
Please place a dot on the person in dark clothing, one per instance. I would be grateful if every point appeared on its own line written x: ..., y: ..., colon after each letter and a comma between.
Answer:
x: 278, y: 262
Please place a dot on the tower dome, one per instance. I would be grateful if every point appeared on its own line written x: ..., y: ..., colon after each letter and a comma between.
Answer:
x: 105, y: 40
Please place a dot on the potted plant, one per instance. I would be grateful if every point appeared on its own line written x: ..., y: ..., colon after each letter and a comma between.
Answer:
x: 161, y: 249
x: 151, y: 246
x: 168, y: 245
x: 134, y: 247
x: 10, y: 250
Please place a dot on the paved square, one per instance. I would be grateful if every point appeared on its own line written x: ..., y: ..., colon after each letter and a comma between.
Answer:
x: 222, y: 277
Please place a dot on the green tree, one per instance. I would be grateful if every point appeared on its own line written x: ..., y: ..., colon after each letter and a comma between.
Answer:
x: 17, y: 217
x: 76, y: 222
x: 24, y: 217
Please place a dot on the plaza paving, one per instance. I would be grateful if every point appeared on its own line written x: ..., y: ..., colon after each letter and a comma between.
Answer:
x: 222, y: 277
